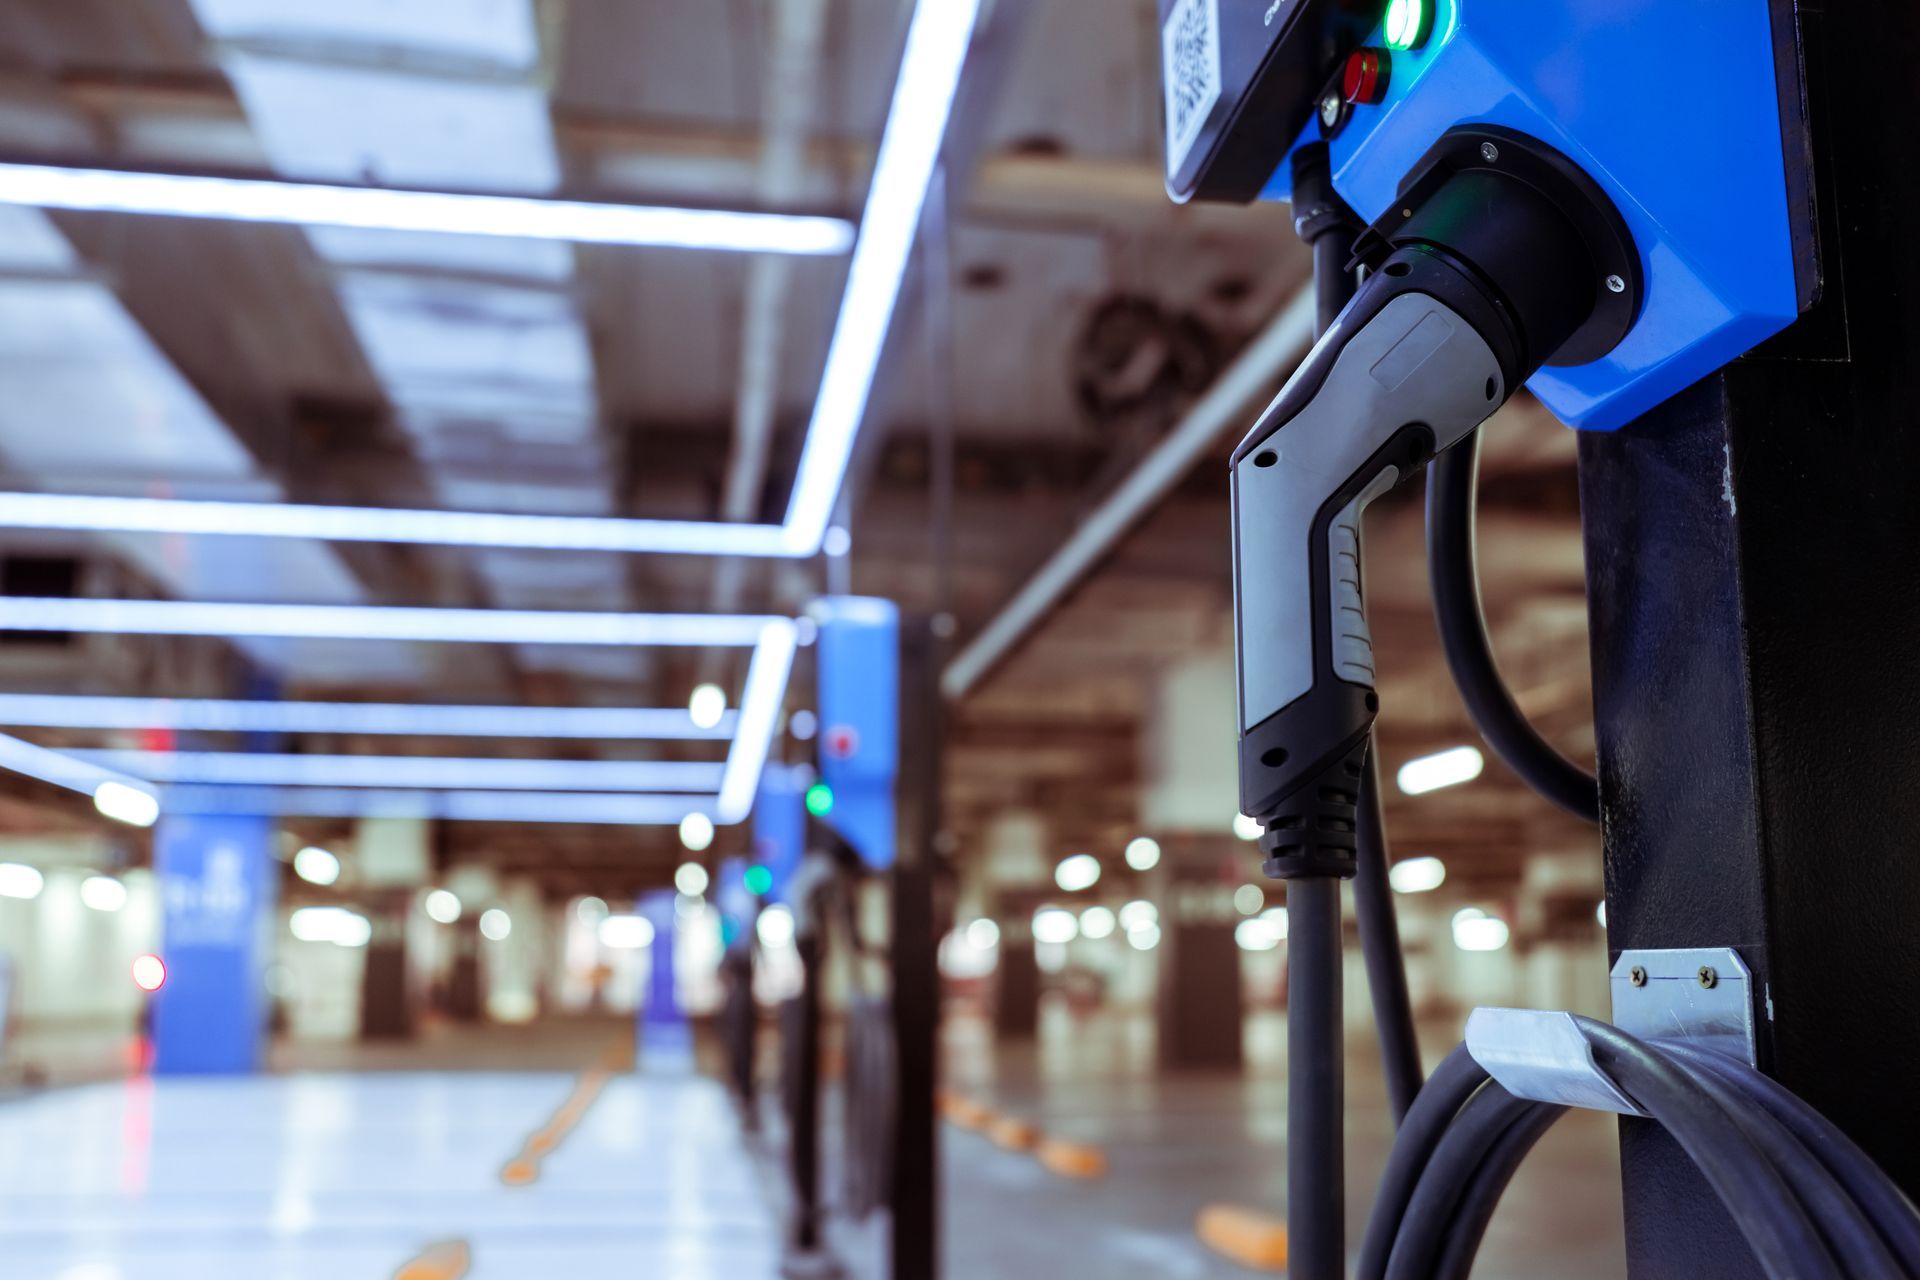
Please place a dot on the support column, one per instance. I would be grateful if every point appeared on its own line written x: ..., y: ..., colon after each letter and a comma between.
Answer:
x: 1017, y: 869
x: 665, y: 1038
x: 218, y: 884
x: 1750, y: 553
x: 1200, y: 1005
x: 394, y: 859
x: 1189, y: 803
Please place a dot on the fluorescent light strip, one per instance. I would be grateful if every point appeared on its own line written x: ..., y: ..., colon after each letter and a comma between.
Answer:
x: 217, y: 715
x: 375, y: 622
x: 445, y: 213
x: 760, y: 703
x: 923, y: 97
x: 268, y: 769
x: 60, y: 768
x: 461, y: 806
x: 373, y: 524
x: 916, y: 128
x: 755, y: 724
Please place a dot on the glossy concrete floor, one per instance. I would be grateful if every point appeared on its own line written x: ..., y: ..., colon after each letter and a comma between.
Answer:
x: 334, y: 1177
x: 359, y: 1159
x: 1177, y: 1143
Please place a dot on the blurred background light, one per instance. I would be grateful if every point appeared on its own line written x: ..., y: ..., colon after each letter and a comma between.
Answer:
x: 1447, y: 768
x: 626, y: 932
x: 442, y: 906
x: 316, y: 865
x: 103, y: 893
x: 1417, y: 875
x: 1055, y: 925
x: 1076, y: 872
x: 18, y: 880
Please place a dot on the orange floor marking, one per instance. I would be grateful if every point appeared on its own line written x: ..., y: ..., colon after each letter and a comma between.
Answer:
x: 447, y: 1260
x: 1072, y: 1159
x: 524, y: 1168
x: 969, y: 1114
x: 1248, y: 1236
x: 1014, y: 1135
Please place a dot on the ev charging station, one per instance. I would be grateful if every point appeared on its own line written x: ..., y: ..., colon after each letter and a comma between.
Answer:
x: 1620, y: 207
x: 820, y: 836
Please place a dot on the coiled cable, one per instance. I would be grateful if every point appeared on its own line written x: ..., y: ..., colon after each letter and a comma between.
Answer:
x: 1809, y: 1203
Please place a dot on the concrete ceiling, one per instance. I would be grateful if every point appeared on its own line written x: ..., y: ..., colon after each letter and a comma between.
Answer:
x: 344, y: 369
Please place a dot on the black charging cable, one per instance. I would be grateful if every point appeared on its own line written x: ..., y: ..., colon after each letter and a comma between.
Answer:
x: 1452, y: 566
x: 1809, y: 1203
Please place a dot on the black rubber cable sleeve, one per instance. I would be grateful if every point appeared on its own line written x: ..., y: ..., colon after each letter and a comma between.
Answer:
x: 1380, y: 947
x: 1454, y: 573
x: 1891, y: 1212
x: 1488, y: 1116
x: 1774, y: 1222
x: 1316, y: 1106
x: 1841, y: 1221
x: 1482, y: 1195
x: 1447, y: 1090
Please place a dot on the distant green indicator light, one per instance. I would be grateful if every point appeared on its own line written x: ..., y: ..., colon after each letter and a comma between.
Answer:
x: 1408, y: 23
x: 819, y: 799
x: 759, y: 880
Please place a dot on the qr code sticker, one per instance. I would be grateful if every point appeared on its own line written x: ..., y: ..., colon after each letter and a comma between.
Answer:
x: 1190, y: 62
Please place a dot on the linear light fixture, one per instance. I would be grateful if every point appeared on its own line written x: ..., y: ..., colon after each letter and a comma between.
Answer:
x: 774, y: 641
x: 491, y: 773
x: 220, y: 715
x: 280, y: 200
x: 760, y: 703
x: 1447, y: 768
x: 923, y: 98
x: 114, y: 794
x: 380, y: 622
x: 377, y: 524
x: 460, y: 806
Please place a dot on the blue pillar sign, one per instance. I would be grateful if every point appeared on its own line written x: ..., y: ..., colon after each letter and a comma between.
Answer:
x: 216, y: 878
x: 665, y: 1039
x: 859, y: 666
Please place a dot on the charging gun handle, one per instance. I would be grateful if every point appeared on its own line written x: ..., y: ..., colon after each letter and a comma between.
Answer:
x: 1420, y: 357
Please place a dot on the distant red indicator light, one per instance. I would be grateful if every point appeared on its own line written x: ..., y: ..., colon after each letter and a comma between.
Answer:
x: 149, y: 973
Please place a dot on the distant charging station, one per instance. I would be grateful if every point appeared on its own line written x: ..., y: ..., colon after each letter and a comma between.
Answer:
x: 859, y: 745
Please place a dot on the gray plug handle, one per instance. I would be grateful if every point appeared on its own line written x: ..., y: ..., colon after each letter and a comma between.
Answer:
x: 1416, y: 363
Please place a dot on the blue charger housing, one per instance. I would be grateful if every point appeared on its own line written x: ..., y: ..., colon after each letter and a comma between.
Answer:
x: 1675, y: 108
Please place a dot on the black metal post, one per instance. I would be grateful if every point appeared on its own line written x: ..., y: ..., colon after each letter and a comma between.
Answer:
x: 915, y: 1244
x: 803, y: 1108
x: 1751, y: 574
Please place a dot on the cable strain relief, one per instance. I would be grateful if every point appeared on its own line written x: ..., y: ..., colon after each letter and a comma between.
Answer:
x: 1312, y: 832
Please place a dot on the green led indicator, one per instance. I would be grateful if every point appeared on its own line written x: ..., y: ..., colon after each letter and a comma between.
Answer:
x: 819, y: 799
x: 1408, y: 23
x: 759, y: 880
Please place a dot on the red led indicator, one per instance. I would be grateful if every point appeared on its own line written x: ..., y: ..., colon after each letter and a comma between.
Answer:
x: 1364, y: 81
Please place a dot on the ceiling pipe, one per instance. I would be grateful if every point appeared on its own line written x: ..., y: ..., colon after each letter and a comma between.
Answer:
x: 1267, y: 360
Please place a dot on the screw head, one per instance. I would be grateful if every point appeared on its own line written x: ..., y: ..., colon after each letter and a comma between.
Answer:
x: 1616, y: 285
x: 1330, y: 108
x: 1489, y: 152
x: 1708, y: 978
x: 1637, y: 976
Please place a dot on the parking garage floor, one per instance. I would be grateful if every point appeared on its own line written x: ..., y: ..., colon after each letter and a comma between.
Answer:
x: 370, y: 1161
